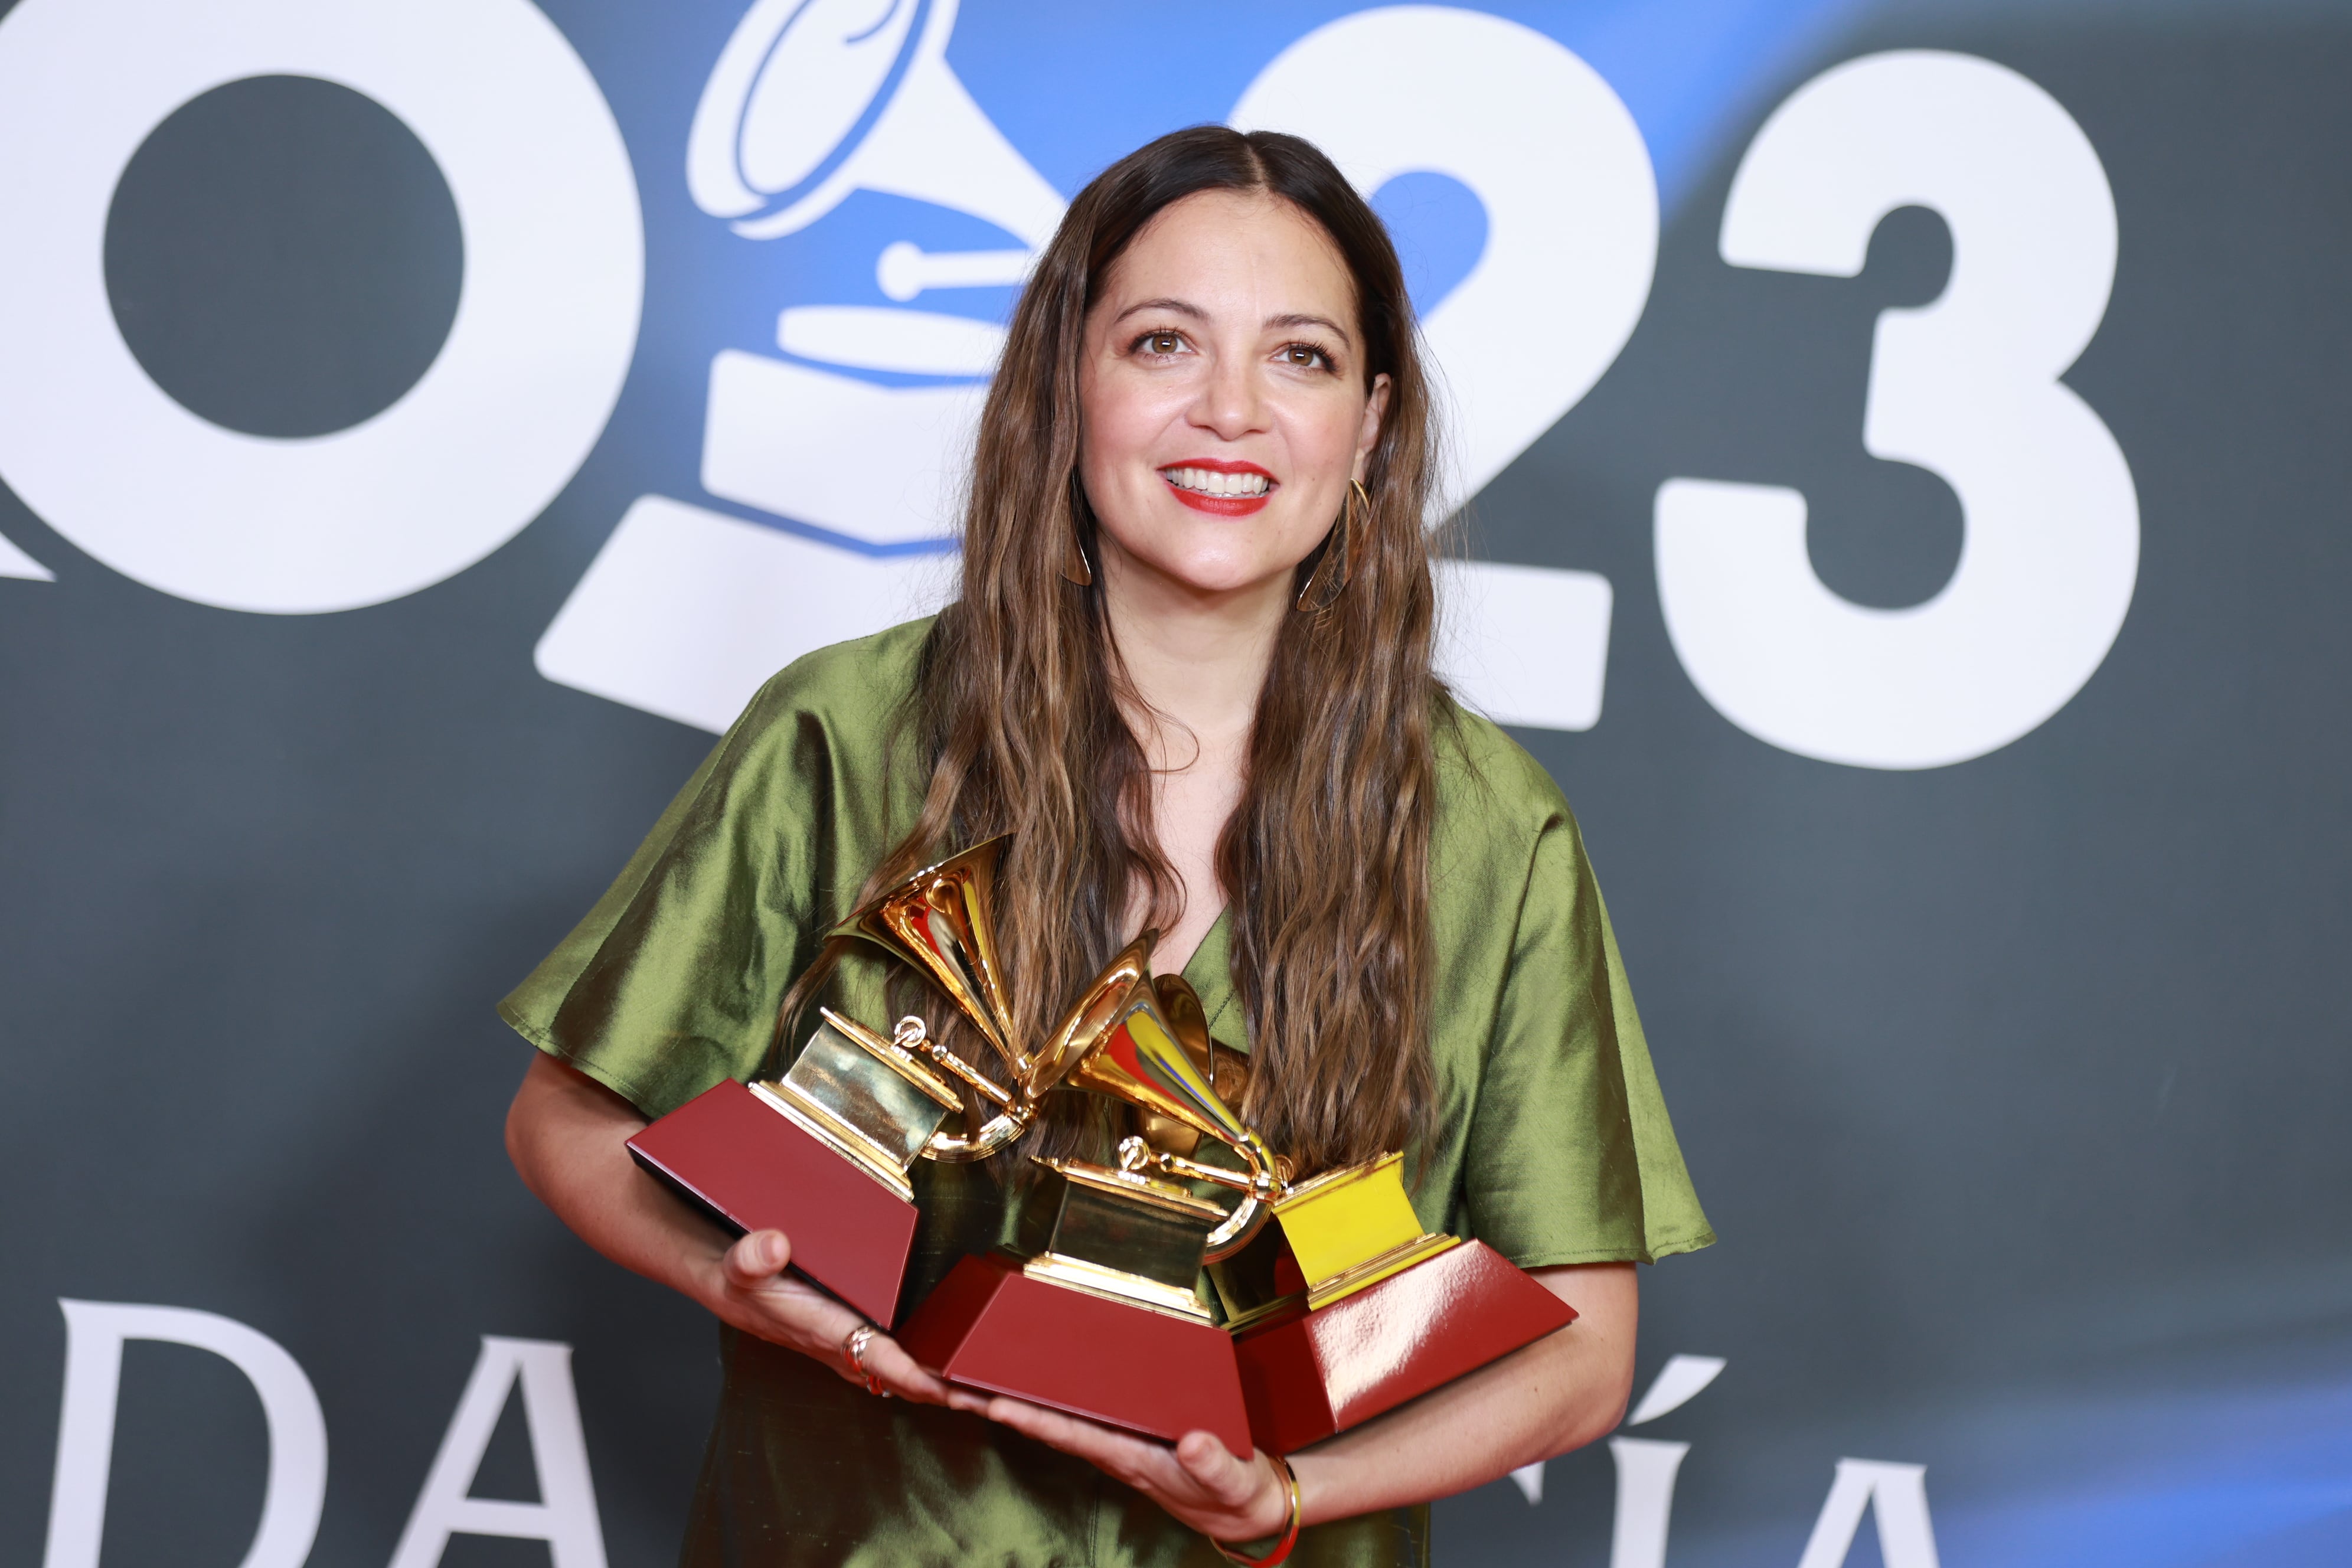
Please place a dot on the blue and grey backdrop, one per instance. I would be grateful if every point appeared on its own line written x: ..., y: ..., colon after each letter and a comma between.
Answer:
x: 1904, y: 458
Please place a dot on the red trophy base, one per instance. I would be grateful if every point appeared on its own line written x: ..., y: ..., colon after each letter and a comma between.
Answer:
x: 749, y: 1167
x: 989, y: 1326
x: 1310, y: 1375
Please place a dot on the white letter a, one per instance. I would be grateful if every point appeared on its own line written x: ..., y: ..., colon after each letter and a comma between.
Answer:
x: 565, y: 1515
x: 1906, y: 1539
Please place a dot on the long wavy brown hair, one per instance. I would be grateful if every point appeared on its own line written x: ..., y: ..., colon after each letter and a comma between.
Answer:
x: 1019, y: 702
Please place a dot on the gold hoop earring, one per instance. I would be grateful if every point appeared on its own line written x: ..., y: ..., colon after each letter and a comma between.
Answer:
x: 1330, y: 575
x: 1075, y: 568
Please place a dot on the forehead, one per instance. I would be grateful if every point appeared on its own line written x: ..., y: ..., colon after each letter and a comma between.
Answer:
x: 1242, y: 251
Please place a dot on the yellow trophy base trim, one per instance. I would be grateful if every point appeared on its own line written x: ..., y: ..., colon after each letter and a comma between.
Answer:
x: 1341, y: 1286
x: 1372, y: 1270
x: 1134, y: 1290
x: 1348, y: 1219
x: 836, y: 1135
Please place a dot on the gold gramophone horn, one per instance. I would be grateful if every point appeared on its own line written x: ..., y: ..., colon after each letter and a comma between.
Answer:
x: 1141, y: 1059
x: 1091, y: 1018
x: 937, y: 920
x: 1227, y: 1071
x: 1081, y: 1032
x: 1180, y: 1006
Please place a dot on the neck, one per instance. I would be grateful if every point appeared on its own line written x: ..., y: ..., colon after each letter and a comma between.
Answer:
x: 1198, y: 659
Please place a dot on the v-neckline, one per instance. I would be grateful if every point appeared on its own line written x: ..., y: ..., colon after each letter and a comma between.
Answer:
x: 1210, y: 974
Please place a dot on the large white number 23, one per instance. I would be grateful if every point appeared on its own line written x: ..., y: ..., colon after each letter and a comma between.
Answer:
x: 1967, y: 387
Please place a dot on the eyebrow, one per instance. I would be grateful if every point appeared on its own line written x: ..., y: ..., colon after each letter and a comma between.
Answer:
x: 1299, y: 320
x: 1186, y: 308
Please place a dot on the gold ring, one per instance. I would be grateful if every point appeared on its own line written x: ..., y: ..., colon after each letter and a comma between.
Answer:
x: 854, y: 1350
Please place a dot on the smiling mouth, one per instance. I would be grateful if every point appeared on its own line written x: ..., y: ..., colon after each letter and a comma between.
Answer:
x: 1212, y: 482
x: 1221, y: 491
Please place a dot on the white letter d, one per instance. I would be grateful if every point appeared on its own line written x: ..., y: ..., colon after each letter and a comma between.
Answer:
x: 95, y: 1331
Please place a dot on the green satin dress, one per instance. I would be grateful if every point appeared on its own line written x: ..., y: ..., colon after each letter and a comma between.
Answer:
x: 1554, y: 1144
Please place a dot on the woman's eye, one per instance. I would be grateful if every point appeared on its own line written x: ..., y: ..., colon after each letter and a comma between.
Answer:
x: 1306, y: 356
x: 1162, y: 343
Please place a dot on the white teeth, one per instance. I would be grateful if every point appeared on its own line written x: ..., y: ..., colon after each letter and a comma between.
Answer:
x: 1209, y: 481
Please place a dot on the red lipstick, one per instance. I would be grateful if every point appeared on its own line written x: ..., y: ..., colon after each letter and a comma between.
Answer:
x: 1219, y: 506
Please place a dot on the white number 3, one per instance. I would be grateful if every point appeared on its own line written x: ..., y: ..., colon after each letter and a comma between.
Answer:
x: 1967, y: 387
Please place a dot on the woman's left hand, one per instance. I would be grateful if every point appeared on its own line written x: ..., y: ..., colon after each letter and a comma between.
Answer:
x: 1197, y: 1480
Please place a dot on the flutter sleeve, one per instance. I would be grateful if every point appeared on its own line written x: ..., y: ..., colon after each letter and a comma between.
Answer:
x: 672, y: 981
x: 1570, y: 1155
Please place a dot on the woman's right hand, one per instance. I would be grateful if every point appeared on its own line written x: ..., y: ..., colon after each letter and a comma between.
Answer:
x: 569, y: 1137
x: 751, y: 1290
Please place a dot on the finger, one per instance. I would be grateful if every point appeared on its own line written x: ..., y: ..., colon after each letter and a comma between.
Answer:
x: 1217, y: 1472
x: 1107, y: 1448
x: 902, y: 1374
x: 1151, y: 1468
x: 757, y: 1258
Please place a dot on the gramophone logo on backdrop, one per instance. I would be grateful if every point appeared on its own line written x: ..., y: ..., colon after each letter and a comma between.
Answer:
x: 687, y: 608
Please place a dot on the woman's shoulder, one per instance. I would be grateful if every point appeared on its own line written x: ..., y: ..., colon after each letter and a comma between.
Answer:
x: 1501, y: 820
x: 1487, y: 782
x: 830, y: 719
x: 852, y: 689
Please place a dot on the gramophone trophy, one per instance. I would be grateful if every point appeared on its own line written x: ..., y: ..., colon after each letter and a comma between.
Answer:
x: 1345, y: 1307
x: 822, y: 1153
x: 1096, y: 1308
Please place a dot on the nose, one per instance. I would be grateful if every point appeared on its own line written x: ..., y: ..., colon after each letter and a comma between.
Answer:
x: 1232, y: 402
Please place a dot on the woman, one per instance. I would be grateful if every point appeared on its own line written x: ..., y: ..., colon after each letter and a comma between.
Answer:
x: 1189, y: 672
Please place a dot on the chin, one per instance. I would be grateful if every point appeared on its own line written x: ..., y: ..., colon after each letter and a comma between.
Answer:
x: 1213, y: 571
x: 1219, y: 557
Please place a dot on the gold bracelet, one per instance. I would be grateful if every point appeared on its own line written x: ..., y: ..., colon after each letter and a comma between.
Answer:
x: 1281, y: 1552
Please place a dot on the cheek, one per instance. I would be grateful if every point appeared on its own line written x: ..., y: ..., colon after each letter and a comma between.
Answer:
x: 1324, y: 432
x: 1122, y: 422
x: 1320, y: 432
